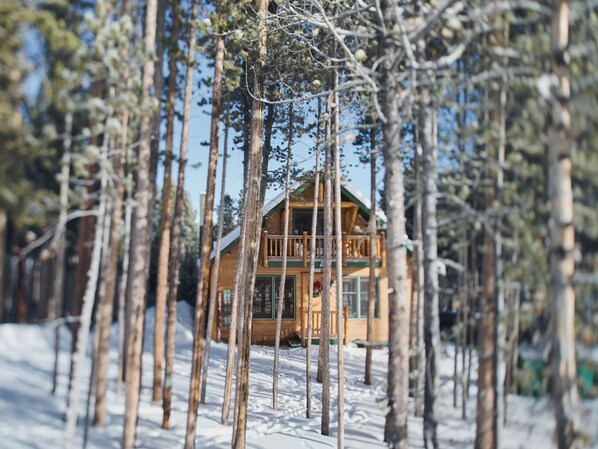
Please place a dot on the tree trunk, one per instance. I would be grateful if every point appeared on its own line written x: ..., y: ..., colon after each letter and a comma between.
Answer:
x: 176, y: 225
x: 429, y: 224
x: 418, y: 289
x: 395, y: 432
x: 563, y: 363
x: 3, y: 222
x: 340, y: 435
x: 21, y: 300
x: 253, y: 206
x: 283, y: 274
x: 86, y: 312
x: 215, y: 270
x: 372, y: 230
x: 312, y: 266
x: 485, y: 400
x: 57, y: 298
x: 109, y: 295
x: 206, y: 244
x: 140, y: 238
x: 124, y: 279
x: 324, y: 356
x: 166, y: 213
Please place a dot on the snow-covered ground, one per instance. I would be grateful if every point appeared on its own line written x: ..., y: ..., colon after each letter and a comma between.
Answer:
x: 31, y: 417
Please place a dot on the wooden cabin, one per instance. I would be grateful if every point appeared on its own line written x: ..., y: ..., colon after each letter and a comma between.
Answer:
x: 355, y: 216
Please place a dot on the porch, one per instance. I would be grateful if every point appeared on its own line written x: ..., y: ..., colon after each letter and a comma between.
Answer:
x: 355, y: 248
x: 316, y: 331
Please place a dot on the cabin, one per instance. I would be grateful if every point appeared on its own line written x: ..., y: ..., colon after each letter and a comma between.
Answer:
x: 355, y: 210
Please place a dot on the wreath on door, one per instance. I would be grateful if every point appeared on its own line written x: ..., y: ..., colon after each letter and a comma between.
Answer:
x: 317, y: 288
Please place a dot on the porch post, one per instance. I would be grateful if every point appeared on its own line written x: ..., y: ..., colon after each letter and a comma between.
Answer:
x: 304, y: 249
x: 345, y: 325
x: 265, y: 249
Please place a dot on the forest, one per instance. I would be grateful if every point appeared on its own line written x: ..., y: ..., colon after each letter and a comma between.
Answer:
x: 469, y: 125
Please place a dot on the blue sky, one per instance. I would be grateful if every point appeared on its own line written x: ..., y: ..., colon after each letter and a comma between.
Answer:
x: 199, y: 131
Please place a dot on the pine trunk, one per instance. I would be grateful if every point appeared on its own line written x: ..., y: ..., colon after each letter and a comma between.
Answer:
x: 140, y: 239
x: 57, y: 298
x: 395, y: 432
x: 372, y: 230
x: 340, y: 435
x: 3, y: 222
x: 206, y: 244
x: 283, y: 273
x: 108, y: 297
x: 562, y: 266
x: 253, y: 208
x: 312, y: 266
x: 175, y: 240
x: 430, y: 250
x: 215, y: 271
x: 85, y: 317
x: 324, y: 355
x: 166, y: 213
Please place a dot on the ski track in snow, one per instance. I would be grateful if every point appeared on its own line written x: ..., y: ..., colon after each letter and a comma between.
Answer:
x: 31, y: 417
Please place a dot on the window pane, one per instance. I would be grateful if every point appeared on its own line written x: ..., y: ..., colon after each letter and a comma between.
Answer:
x: 364, y: 285
x: 288, y: 308
x: 262, y: 298
x: 350, y: 296
x: 226, y: 307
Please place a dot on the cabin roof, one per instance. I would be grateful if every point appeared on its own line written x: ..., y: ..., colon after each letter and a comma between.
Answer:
x: 230, y: 240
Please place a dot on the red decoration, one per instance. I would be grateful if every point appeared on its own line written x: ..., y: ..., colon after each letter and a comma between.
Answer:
x: 317, y: 288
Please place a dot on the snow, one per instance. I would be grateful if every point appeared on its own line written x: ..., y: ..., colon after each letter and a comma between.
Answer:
x: 31, y: 417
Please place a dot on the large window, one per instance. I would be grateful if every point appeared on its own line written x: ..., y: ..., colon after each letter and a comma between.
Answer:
x: 265, y: 297
x: 302, y: 219
x: 355, y: 297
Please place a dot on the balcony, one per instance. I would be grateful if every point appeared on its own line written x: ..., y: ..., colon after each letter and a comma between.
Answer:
x: 355, y: 248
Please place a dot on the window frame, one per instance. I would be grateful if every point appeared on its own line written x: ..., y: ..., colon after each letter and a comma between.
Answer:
x: 273, y: 278
x: 358, y: 280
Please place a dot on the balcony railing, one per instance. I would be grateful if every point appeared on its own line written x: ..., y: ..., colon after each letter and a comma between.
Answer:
x: 355, y: 247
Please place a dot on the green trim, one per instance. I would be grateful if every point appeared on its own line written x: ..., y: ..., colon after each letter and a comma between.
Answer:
x: 316, y: 341
x: 290, y: 264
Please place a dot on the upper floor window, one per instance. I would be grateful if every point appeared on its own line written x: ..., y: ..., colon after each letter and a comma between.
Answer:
x: 302, y: 219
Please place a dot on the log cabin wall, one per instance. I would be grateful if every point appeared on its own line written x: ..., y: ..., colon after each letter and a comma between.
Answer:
x: 263, y: 331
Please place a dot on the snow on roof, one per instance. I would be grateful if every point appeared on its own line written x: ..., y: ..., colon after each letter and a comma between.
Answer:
x: 230, y: 238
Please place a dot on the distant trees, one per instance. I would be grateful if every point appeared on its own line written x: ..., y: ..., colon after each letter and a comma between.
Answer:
x: 491, y: 188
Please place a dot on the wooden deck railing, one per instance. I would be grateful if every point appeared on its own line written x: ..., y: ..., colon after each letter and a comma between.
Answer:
x: 298, y: 247
x: 316, y: 327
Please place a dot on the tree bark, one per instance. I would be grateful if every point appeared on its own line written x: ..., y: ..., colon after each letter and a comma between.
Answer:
x: 3, y: 222
x: 372, y: 231
x: 86, y: 312
x: 206, y: 243
x: 430, y: 250
x: 166, y: 212
x: 253, y: 206
x: 57, y: 298
x: 324, y: 355
x: 283, y: 273
x: 215, y: 270
x: 109, y: 295
x: 176, y: 225
x: 395, y: 432
x: 340, y: 435
x: 140, y: 239
x: 312, y: 266
x: 562, y: 236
